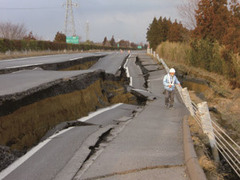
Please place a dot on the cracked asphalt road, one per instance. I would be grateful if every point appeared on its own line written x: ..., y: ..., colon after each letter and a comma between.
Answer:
x: 149, y: 147
x: 51, y: 157
x: 40, y: 60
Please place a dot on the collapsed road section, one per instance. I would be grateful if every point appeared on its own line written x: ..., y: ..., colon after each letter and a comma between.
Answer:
x: 53, y: 62
x: 62, y: 154
x: 34, y: 101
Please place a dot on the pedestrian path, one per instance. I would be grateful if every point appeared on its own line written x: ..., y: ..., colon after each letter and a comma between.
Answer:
x: 149, y: 147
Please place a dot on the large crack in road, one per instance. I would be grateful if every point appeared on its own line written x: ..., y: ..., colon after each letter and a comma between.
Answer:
x: 27, y: 116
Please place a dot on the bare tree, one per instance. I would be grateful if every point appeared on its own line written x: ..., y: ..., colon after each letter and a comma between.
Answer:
x: 9, y: 30
x: 187, y: 10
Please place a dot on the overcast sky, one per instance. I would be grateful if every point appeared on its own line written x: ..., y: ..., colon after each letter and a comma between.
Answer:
x: 125, y: 19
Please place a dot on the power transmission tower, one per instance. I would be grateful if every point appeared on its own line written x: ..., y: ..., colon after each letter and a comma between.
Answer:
x: 69, y: 14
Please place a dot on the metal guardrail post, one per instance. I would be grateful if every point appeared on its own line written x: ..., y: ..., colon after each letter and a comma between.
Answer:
x: 187, y: 100
x: 164, y: 65
x: 208, y: 128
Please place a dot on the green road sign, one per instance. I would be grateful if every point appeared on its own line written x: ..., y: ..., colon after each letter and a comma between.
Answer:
x: 72, y: 39
x: 139, y: 47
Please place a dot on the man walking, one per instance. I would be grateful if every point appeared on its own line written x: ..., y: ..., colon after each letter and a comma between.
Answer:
x: 169, y: 82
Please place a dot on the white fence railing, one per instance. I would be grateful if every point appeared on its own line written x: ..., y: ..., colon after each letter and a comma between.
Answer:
x: 218, y: 138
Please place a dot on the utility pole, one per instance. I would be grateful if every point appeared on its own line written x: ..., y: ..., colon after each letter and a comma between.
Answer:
x: 87, y: 31
x: 69, y: 14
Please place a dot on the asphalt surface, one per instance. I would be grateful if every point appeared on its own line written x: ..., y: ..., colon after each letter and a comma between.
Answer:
x: 149, y: 147
x: 40, y: 60
x: 26, y: 79
x: 58, y: 150
x: 111, y: 64
x: 135, y: 73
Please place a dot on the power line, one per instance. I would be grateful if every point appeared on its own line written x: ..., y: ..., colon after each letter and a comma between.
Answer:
x: 29, y: 8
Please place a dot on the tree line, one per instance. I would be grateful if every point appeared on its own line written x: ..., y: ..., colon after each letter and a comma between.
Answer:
x: 212, y: 20
x: 121, y: 43
x: 215, y: 41
x: 213, y: 35
x: 163, y: 29
x: 219, y: 20
x: 13, y: 37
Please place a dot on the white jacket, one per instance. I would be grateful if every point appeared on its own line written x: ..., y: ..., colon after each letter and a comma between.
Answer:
x: 169, y: 80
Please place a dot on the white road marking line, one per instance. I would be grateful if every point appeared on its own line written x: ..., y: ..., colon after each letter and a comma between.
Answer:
x: 17, y: 59
x: 131, y: 81
x: 35, y: 149
x: 75, y: 58
x: 30, y: 153
x: 26, y: 65
x: 127, y: 71
x: 91, y: 115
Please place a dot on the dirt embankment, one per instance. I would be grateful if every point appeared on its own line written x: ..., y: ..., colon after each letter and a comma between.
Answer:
x: 27, y: 124
x: 224, y: 105
x: 216, y: 90
x: 24, y: 119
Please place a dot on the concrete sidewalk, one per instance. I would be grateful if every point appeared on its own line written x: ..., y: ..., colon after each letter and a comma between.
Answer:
x: 149, y: 147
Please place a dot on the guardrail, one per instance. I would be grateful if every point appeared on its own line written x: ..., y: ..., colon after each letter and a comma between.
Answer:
x: 219, y: 140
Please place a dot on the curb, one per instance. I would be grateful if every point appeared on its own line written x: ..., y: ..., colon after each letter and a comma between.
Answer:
x: 194, y: 170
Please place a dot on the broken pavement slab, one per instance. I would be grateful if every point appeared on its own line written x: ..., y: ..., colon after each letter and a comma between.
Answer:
x: 146, y: 95
x: 62, y: 154
x: 151, y: 68
x: 123, y: 119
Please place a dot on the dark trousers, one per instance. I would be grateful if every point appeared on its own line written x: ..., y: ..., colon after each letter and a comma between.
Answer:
x: 169, y: 97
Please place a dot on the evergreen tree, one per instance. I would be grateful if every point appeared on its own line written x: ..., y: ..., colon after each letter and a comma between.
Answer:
x: 212, y: 17
x: 175, y: 32
x: 153, y: 33
x: 113, y: 42
x: 232, y: 37
x: 105, y: 41
x: 123, y: 43
x: 60, y: 37
x: 163, y: 29
x: 160, y: 35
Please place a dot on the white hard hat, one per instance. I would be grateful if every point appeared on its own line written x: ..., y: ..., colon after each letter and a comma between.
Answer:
x: 172, y: 70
